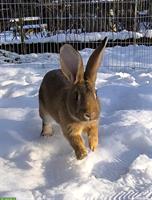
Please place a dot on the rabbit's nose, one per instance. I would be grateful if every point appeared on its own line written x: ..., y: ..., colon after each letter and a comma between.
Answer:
x: 89, y: 116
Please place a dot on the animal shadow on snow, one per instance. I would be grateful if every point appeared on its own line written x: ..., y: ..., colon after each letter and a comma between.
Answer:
x: 17, y: 134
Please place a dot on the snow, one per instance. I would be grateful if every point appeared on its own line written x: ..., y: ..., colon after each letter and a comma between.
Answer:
x: 36, y: 168
x: 25, y: 19
x: 7, y: 38
x: 148, y: 34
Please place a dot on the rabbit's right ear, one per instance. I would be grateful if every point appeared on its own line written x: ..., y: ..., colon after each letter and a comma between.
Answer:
x: 94, y: 62
x: 71, y: 64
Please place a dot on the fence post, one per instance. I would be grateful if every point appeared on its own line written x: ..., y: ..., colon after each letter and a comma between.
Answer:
x: 135, y: 22
x: 22, y: 35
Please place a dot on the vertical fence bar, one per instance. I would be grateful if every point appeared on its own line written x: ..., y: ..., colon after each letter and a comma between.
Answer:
x: 135, y: 21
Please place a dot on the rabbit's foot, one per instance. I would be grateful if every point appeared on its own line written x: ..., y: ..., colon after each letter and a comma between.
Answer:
x: 93, y: 142
x: 80, y: 153
x: 47, y: 130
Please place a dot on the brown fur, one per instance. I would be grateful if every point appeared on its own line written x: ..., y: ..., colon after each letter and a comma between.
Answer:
x: 68, y: 96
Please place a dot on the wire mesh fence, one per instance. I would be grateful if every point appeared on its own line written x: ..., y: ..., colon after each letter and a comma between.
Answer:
x: 28, y: 26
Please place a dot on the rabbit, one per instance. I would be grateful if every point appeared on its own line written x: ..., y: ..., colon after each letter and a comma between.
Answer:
x: 68, y: 96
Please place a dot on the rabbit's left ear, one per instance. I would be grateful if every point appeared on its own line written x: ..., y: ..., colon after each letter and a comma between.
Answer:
x: 71, y: 64
x: 94, y: 62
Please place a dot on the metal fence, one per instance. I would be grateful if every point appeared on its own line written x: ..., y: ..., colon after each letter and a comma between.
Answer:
x: 38, y: 26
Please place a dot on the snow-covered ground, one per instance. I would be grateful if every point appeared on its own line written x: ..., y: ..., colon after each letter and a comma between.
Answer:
x: 7, y: 37
x: 35, y: 168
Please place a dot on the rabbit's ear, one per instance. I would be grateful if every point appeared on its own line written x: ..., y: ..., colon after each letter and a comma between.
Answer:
x: 94, y: 62
x: 71, y: 64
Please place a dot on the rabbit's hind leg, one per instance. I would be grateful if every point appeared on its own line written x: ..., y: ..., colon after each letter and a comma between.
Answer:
x: 46, y: 129
x: 46, y: 121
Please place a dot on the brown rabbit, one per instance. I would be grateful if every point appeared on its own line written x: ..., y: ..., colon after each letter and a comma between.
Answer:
x: 68, y: 95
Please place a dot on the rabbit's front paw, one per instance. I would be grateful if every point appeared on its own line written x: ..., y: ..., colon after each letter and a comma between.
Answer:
x: 93, y: 142
x: 81, y: 153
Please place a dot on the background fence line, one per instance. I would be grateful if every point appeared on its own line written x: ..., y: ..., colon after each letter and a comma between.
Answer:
x: 38, y: 26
